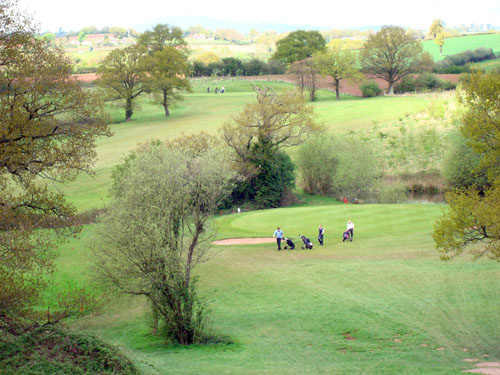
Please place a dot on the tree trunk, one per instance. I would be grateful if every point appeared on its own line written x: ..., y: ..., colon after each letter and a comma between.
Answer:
x: 390, y: 90
x: 165, y: 103
x: 337, y: 89
x: 128, y: 109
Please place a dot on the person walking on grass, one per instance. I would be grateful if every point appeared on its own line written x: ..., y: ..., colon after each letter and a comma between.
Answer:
x: 278, y: 234
x: 321, y: 233
x: 350, y: 229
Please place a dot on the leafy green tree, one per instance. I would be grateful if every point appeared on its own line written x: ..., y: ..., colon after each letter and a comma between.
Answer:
x: 158, y: 228
x: 81, y: 36
x: 48, y: 128
x: 260, y: 132
x: 338, y: 64
x: 473, y: 219
x: 123, y: 74
x: 167, y: 66
x: 162, y: 36
x: 298, y: 45
x: 167, y: 76
x: 392, y: 54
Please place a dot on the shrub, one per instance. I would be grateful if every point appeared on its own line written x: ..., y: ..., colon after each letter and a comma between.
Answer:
x: 357, y: 171
x: 50, y: 350
x: 370, y: 89
x: 317, y: 163
x: 407, y: 84
x: 460, y: 165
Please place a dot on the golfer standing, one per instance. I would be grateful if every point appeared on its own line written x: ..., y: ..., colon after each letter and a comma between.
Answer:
x: 321, y: 233
x: 350, y: 229
x: 278, y: 234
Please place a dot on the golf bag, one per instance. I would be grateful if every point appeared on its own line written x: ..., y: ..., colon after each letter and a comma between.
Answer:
x: 345, y: 236
x: 307, y: 242
x: 289, y: 244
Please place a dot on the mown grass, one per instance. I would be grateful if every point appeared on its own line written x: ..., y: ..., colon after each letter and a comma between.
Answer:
x: 463, y: 43
x: 201, y: 111
x: 382, y: 304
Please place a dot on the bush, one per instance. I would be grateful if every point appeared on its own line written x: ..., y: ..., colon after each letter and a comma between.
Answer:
x: 424, y: 82
x: 469, y: 56
x: 407, y: 84
x: 357, y: 172
x: 49, y: 350
x: 317, y: 163
x: 460, y: 165
x: 370, y: 89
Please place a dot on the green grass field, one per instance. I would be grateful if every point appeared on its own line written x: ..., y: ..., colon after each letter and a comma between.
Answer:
x: 488, y: 65
x: 383, y: 304
x: 463, y: 43
x: 207, y: 112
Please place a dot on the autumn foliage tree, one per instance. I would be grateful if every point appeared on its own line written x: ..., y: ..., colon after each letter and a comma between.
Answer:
x: 48, y: 128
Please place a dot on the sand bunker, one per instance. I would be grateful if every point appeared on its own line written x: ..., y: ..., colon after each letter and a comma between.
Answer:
x: 244, y: 241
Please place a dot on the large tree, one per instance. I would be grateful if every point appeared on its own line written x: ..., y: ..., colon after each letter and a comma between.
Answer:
x: 163, y: 36
x: 158, y: 228
x: 167, y: 76
x: 473, y: 218
x: 298, y: 45
x: 123, y: 74
x: 257, y: 136
x: 166, y: 64
x: 338, y: 64
x: 48, y: 128
x: 392, y: 54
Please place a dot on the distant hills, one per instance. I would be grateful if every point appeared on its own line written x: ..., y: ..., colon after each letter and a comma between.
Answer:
x: 243, y: 27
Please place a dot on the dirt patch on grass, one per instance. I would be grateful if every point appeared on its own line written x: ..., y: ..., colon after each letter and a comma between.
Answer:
x: 488, y: 368
x: 244, y: 241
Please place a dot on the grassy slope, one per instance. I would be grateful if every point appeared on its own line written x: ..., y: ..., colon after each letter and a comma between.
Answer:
x: 286, y: 312
x: 207, y: 112
x: 460, y: 44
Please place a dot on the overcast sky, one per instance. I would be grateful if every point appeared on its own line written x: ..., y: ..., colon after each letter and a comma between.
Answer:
x: 73, y: 15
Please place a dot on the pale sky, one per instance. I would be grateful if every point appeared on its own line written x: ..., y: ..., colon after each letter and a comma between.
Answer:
x: 73, y: 15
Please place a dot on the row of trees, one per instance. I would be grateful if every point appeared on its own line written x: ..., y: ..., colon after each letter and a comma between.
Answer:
x: 391, y: 54
x: 156, y: 64
x: 232, y: 66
